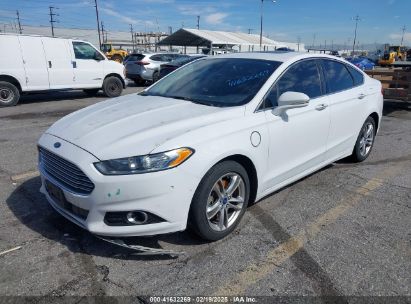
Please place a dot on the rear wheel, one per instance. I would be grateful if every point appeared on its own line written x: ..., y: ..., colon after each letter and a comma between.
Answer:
x: 9, y: 94
x: 91, y: 92
x: 365, y: 141
x: 220, y: 201
x: 156, y: 76
x: 112, y: 86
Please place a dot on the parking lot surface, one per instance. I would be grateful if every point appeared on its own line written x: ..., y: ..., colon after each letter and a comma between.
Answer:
x: 343, y: 231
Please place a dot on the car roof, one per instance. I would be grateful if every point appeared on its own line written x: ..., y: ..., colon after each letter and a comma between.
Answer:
x: 279, y: 56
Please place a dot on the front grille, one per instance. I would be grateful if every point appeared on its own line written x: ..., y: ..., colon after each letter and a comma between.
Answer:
x: 64, y: 172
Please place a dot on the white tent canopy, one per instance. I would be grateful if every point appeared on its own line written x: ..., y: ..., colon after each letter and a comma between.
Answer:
x: 232, y: 40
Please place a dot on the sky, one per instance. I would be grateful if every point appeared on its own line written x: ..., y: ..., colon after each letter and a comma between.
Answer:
x: 318, y: 21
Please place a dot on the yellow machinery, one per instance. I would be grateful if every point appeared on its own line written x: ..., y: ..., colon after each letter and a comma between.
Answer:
x: 112, y: 53
x: 392, y: 54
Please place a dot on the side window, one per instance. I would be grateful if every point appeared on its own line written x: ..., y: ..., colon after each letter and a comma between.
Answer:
x: 337, y: 76
x: 303, y: 77
x: 158, y: 57
x: 357, y: 75
x: 84, y: 50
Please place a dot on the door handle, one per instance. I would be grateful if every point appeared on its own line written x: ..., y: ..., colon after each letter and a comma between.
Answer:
x: 321, y: 107
x: 361, y: 96
x: 50, y: 65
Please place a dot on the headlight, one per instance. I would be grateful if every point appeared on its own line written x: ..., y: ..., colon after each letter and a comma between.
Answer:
x: 145, y: 163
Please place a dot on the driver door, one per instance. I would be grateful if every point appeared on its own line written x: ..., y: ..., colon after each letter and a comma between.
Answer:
x: 88, y: 68
x: 298, y: 137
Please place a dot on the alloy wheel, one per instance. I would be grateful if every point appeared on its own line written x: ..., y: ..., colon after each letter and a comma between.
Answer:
x: 367, y: 139
x: 225, y: 201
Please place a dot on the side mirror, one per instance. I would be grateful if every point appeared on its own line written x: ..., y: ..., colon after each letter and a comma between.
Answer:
x: 290, y: 100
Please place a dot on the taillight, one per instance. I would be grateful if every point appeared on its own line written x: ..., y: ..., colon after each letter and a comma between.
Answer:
x: 142, y: 62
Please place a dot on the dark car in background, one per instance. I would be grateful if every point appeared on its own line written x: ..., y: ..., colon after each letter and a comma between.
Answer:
x: 167, y: 68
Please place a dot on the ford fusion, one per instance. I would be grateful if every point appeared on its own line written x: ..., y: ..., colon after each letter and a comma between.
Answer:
x: 194, y: 149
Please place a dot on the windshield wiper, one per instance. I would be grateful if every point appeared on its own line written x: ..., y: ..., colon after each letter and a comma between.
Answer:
x: 192, y: 100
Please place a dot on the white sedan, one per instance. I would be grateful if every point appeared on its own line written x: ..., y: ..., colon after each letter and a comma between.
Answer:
x: 196, y: 148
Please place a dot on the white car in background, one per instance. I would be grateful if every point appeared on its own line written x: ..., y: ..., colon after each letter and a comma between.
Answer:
x: 205, y: 141
x: 40, y: 64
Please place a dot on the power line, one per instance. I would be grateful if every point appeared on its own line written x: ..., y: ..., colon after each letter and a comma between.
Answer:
x: 18, y: 21
x: 98, y: 23
x: 52, y: 20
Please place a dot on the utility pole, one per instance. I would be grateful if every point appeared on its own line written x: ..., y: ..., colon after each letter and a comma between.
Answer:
x: 18, y: 21
x: 356, y: 19
x: 52, y: 20
x: 250, y: 30
x: 198, y: 22
x: 132, y: 35
x: 102, y: 32
x: 403, y: 33
x: 98, y: 23
x: 298, y: 43
x: 314, y: 36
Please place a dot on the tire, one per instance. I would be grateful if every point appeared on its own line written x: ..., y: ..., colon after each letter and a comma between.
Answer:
x: 156, y: 76
x: 91, y: 92
x: 117, y: 58
x: 9, y: 94
x: 210, y: 225
x: 112, y: 86
x: 365, y: 141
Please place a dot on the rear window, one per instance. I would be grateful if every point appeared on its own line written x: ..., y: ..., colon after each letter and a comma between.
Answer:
x: 357, y: 75
x: 337, y: 76
x: 135, y: 57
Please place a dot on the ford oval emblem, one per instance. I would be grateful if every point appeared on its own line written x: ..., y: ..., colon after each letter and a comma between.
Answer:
x: 57, y: 145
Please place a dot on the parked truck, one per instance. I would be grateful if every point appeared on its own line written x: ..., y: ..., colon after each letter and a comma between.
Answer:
x: 37, y: 63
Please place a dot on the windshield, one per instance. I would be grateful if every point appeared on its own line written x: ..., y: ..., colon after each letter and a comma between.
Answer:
x: 222, y: 82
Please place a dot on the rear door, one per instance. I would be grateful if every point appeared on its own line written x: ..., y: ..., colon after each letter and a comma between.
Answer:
x: 347, y: 106
x: 35, y: 64
x: 88, y: 68
x: 59, y: 63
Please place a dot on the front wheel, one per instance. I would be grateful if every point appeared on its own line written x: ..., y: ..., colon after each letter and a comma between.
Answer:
x: 112, y: 86
x: 9, y: 94
x: 365, y: 141
x: 220, y: 201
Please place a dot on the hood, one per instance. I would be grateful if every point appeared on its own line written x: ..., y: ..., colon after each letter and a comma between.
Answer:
x: 135, y: 125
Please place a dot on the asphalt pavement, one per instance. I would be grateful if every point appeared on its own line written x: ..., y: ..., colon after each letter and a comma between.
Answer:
x: 343, y: 231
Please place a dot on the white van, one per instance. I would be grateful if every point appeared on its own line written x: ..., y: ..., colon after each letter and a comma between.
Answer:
x: 36, y: 63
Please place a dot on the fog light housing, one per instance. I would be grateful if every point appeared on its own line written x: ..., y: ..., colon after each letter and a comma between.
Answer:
x: 137, y: 217
x: 131, y: 218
